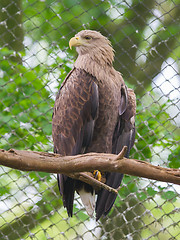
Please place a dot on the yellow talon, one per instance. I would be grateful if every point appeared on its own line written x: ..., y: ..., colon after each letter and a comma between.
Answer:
x: 97, y: 175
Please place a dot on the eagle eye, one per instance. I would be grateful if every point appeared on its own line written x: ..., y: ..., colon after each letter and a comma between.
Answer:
x: 87, y: 37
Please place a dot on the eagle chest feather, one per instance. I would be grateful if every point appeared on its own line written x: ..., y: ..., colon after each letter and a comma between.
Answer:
x: 109, y: 100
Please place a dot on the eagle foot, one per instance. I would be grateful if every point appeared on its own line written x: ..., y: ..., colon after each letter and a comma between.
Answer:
x: 97, y: 175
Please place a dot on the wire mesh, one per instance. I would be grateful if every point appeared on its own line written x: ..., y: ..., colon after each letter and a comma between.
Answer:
x: 34, y: 60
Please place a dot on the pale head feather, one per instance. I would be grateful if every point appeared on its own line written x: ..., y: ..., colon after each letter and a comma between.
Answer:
x: 97, y: 47
x: 96, y: 56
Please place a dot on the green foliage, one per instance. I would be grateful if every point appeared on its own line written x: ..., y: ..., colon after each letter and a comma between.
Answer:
x: 151, y: 192
x: 142, y: 196
x: 25, y: 121
x: 169, y: 195
x: 26, y: 103
x: 154, y: 128
x: 174, y: 158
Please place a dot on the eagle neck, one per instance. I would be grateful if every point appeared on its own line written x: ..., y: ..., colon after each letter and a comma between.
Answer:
x: 101, y: 70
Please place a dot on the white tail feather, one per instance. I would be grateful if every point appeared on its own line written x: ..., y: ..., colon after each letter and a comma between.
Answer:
x: 88, y: 200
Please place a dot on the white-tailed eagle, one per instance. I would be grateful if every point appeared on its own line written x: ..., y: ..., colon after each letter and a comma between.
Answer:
x: 94, y: 111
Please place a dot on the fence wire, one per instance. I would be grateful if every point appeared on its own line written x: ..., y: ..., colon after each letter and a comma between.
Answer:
x: 34, y: 60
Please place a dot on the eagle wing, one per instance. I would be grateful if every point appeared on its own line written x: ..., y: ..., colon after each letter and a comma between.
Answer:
x: 74, y: 115
x: 124, y: 135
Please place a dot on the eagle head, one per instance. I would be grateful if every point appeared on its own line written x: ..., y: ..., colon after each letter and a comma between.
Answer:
x: 94, y: 44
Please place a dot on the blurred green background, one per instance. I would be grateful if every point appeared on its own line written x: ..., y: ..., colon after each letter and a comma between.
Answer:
x: 34, y: 60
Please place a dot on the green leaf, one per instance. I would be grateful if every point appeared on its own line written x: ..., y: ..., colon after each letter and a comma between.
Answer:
x: 141, y: 196
x: 151, y: 191
x: 169, y: 195
x: 174, y: 158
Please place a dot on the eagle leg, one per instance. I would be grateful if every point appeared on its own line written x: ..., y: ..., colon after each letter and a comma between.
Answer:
x: 97, y: 175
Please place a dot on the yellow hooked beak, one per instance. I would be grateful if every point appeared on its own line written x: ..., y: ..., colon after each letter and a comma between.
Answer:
x: 75, y: 42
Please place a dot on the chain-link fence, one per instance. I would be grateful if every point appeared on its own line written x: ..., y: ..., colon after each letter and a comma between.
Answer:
x: 34, y: 60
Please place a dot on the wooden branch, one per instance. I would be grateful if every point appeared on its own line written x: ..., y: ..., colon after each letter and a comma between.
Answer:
x: 89, y: 178
x: 75, y: 165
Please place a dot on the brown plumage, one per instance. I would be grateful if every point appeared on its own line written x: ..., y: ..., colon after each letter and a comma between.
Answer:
x: 93, y: 112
